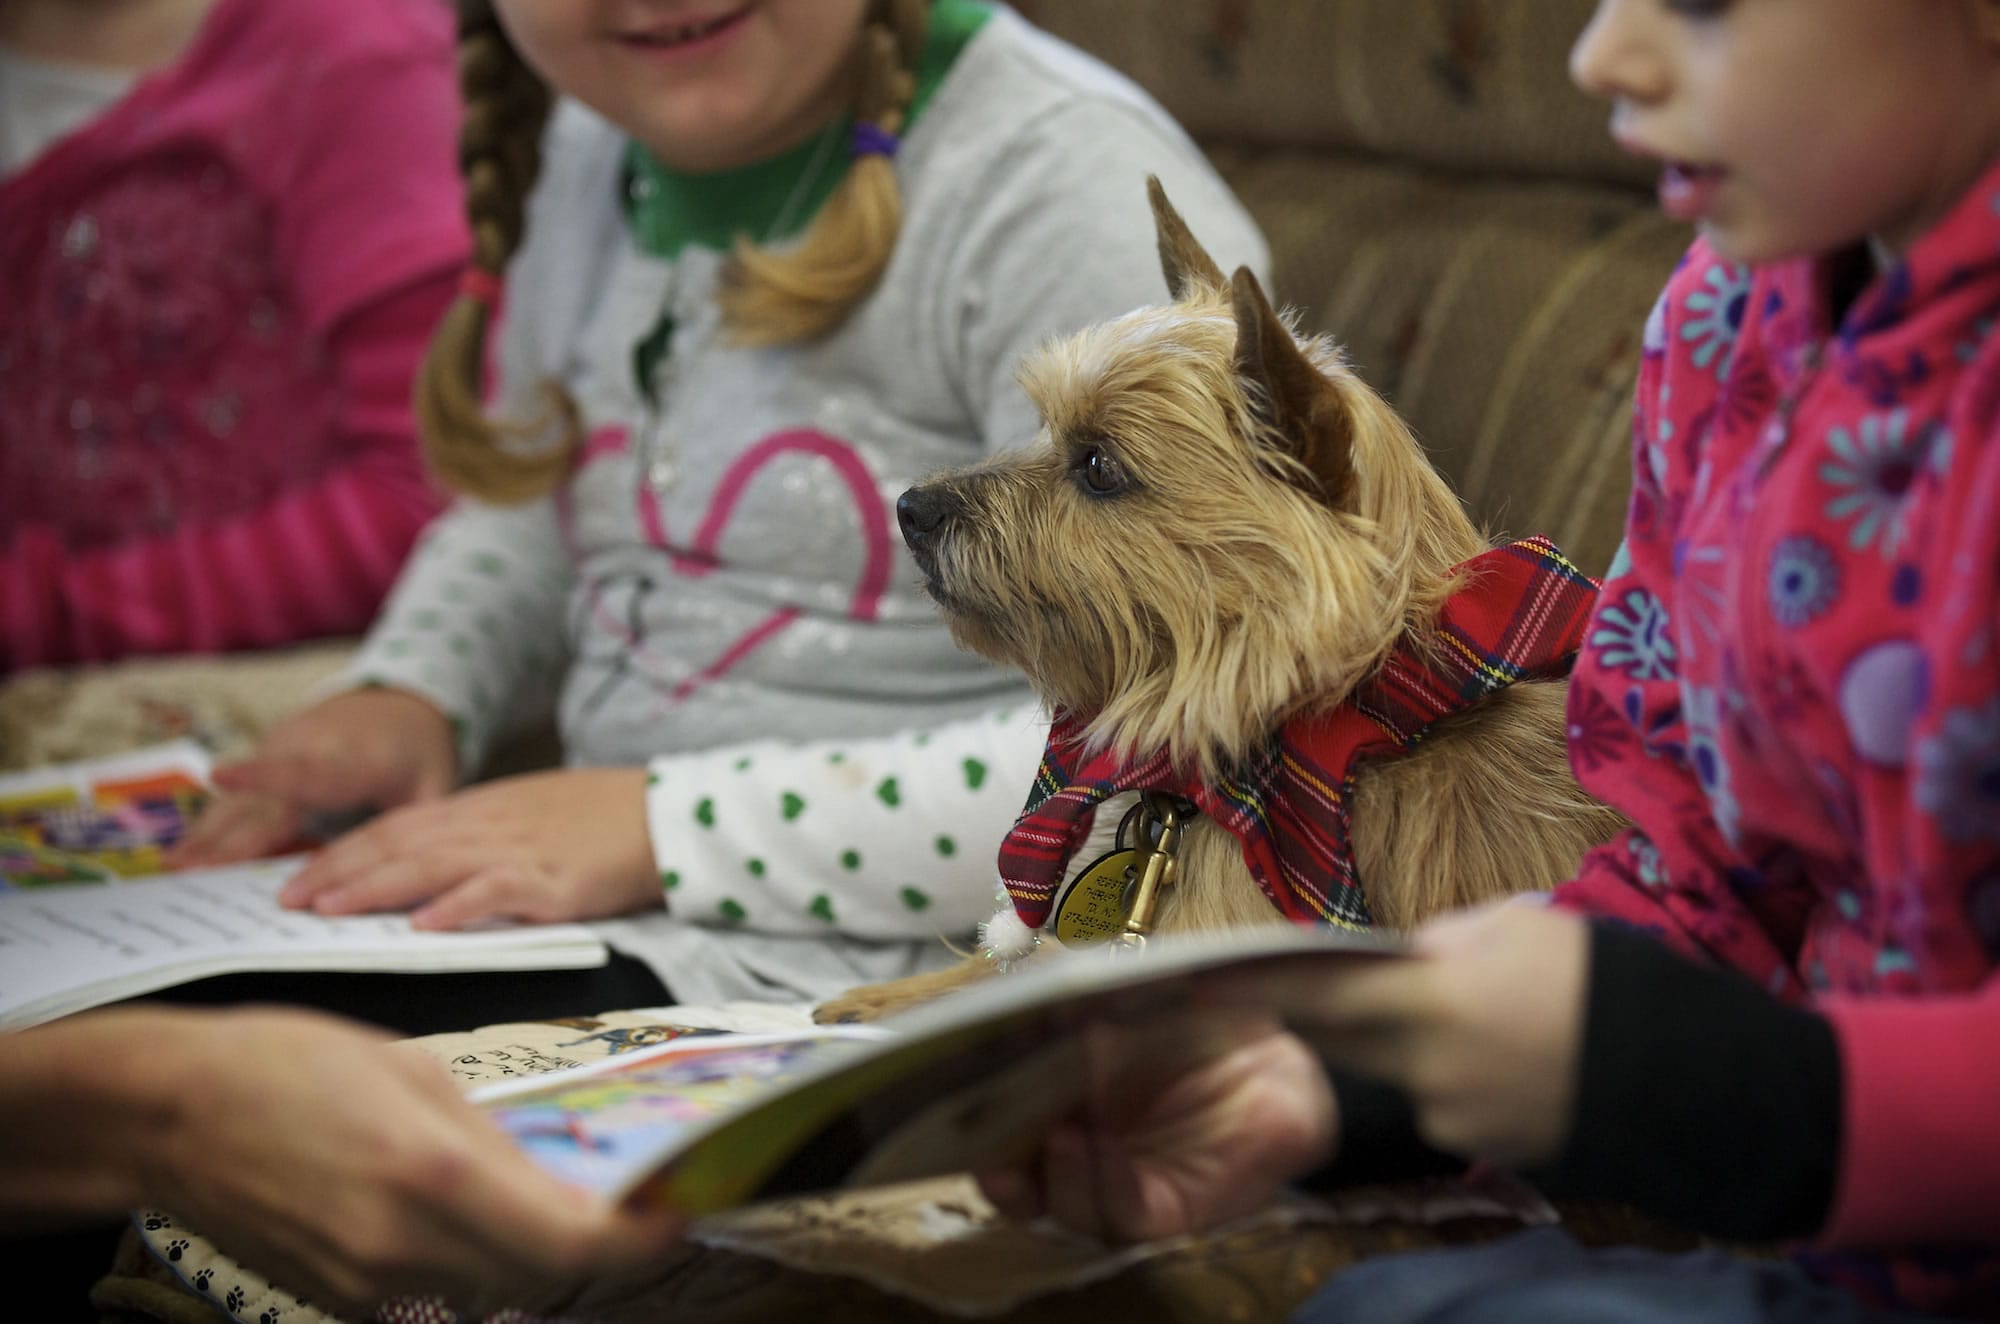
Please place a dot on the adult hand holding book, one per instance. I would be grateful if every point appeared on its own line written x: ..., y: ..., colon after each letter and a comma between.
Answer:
x: 345, y: 1167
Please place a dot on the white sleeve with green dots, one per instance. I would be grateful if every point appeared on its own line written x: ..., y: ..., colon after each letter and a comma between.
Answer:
x: 475, y: 624
x: 889, y: 837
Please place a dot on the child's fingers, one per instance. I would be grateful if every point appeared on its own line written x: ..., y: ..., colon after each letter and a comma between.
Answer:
x: 357, y: 855
x: 306, y: 886
x: 1092, y: 1184
x: 1463, y: 932
x: 500, y: 891
x: 232, y: 828
x: 1296, y: 991
x: 1379, y: 1053
x: 313, y: 782
x: 269, y: 774
x: 1072, y: 1184
x: 398, y: 884
x: 1357, y: 996
x: 432, y: 782
x: 1363, y: 1016
x: 1013, y: 1191
x: 1120, y: 1194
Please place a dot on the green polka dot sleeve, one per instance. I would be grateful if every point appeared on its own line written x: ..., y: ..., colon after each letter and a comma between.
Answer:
x: 886, y: 837
x: 471, y: 623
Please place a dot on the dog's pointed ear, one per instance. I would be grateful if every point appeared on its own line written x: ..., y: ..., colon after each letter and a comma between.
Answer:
x: 1294, y: 399
x: 1185, y: 263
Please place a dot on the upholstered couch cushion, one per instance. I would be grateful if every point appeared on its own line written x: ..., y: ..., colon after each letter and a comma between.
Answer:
x: 1464, y: 85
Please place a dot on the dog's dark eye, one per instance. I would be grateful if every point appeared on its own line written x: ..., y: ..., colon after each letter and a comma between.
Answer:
x: 1102, y: 473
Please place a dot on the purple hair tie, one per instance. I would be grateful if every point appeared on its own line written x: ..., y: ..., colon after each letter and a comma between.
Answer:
x: 873, y: 140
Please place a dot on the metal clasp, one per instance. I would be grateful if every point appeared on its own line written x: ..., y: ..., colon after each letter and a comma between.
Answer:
x: 1162, y: 853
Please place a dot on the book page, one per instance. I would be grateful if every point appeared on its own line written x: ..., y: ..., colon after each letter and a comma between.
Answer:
x: 68, y: 948
x: 604, y: 1126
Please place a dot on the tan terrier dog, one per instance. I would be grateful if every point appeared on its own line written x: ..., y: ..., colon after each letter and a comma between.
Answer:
x: 1229, y: 568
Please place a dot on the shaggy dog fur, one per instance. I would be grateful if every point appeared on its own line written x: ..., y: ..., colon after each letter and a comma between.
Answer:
x: 1220, y: 527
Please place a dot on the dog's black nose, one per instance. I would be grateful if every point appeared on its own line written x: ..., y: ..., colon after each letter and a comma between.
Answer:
x: 922, y: 511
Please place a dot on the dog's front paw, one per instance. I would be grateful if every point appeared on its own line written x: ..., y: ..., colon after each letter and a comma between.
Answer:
x: 871, y: 1002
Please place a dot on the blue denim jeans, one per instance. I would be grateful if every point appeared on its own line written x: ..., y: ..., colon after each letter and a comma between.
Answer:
x: 1546, y: 1277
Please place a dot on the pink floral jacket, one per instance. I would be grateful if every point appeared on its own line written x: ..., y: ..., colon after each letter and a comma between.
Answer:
x: 1792, y: 688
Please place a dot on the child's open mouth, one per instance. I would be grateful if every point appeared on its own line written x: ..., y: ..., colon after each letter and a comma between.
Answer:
x: 1687, y: 191
x: 686, y: 37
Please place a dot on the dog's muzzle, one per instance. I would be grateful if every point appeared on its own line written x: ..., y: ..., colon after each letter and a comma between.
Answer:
x: 923, y: 513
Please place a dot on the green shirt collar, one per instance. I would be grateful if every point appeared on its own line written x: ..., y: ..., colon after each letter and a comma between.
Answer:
x: 771, y: 200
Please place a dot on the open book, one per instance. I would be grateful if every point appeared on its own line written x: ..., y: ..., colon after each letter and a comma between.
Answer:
x: 86, y: 917
x: 64, y: 949
x: 706, y: 1124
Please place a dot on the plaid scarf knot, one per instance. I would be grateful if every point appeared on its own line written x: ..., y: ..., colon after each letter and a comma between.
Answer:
x: 1520, y: 616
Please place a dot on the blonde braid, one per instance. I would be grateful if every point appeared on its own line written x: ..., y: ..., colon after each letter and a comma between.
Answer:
x: 500, y: 156
x: 772, y: 298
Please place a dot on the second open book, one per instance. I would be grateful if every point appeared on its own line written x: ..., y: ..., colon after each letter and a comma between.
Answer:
x: 710, y: 1123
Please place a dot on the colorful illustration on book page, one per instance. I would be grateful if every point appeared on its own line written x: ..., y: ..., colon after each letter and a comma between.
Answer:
x: 604, y: 1130
x: 100, y: 821
x: 619, y: 1040
x: 24, y: 865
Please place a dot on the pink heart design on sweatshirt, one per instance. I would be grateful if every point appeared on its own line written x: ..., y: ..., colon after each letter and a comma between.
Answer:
x: 699, y: 557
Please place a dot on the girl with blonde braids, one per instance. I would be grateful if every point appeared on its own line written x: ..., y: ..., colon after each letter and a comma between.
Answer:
x: 765, y: 262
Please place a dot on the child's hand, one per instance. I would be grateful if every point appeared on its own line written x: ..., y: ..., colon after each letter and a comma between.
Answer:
x: 1164, y: 1151
x: 1484, y: 1030
x: 549, y: 846
x: 364, y: 749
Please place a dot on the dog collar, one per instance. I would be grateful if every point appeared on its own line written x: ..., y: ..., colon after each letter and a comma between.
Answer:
x: 1520, y: 616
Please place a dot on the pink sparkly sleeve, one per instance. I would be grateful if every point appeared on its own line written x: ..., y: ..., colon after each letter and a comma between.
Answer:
x: 369, y: 226
x: 314, y: 562
x: 290, y: 195
x: 365, y: 174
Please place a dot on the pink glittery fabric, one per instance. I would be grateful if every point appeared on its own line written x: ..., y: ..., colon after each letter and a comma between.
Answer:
x: 216, y: 297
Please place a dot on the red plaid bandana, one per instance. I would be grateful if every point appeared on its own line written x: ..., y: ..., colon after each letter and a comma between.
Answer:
x: 1520, y: 616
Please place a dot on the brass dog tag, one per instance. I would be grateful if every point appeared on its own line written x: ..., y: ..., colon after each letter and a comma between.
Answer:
x: 1093, y: 907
